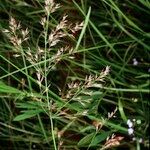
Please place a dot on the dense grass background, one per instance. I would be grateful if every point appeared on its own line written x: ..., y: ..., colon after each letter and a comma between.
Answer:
x: 55, y: 116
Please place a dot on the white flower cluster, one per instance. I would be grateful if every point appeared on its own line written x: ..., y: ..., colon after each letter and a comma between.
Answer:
x: 131, y: 124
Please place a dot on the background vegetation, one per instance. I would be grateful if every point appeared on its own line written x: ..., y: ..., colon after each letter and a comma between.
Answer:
x: 74, y: 74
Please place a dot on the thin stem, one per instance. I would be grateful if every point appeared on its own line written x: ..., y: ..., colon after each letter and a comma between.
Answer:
x: 46, y: 84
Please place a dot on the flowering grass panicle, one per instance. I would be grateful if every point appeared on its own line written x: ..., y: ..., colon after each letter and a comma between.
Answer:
x: 16, y: 34
x: 112, y: 141
x: 51, y: 6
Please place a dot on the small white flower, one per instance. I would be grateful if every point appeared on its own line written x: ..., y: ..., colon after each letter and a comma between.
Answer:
x: 138, y: 121
x: 134, y: 100
x: 129, y: 123
x: 130, y: 131
x: 140, y: 140
x: 135, y: 62
x: 34, y: 146
x: 134, y: 139
x: 134, y: 120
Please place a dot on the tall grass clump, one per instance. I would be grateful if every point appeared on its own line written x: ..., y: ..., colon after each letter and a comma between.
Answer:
x: 74, y: 74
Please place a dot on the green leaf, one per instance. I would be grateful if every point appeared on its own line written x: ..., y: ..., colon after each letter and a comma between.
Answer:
x: 8, y: 89
x: 30, y: 105
x: 83, y: 29
x: 86, y: 140
x: 27, y: 114
x: 93, y: 139
x: 123, y: 116
x: 99, y: 138
x: 97, y: 95
x: 88, y: 128
x: 146, y: 3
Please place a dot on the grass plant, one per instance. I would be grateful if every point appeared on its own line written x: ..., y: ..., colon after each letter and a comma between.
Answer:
x: 74, y: 74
